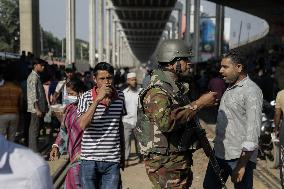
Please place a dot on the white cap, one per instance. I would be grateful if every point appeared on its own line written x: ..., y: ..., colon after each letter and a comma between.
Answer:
x: 130, y: 75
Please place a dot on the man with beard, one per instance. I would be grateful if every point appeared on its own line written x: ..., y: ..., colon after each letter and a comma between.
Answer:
x: 238, y: 126
x: 164, y: 114
x: 129, y: 120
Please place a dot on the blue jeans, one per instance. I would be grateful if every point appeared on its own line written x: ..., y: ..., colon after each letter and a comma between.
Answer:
x: 211, y: 181
x: 100, y: 175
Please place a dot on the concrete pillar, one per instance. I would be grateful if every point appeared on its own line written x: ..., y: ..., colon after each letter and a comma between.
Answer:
x: 219, y: 31
x: 29, y: 26
x: 179, y: 8
x: 120, y: 51
x: 107, y: 46
x: 179, y: 23
x: 168, y: 29
x: 92, y: 33
x: 173, y: 20
x: 113, y: 41
x: 117, y: 45
x: 187, y: 30
x: 196, y: 30
x: 101, y: 30
x: 173, y: 30
x: 70, y: 31
x: 123, y: 63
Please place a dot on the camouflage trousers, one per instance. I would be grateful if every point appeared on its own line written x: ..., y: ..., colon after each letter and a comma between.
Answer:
x: 172, y: 172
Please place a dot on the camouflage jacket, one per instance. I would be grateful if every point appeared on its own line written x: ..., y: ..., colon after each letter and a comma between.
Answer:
x: 163, y: 114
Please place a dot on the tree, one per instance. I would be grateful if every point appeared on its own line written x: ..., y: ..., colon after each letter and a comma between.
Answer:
x: 51, y: 44
x: 10, y: 33
x: 9, y: 26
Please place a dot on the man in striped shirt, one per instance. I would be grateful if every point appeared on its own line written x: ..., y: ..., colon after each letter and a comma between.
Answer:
x: 100, y: 112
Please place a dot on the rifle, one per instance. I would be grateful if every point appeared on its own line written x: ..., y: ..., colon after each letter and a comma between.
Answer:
x: 193, y: 133
x: 204, y: 143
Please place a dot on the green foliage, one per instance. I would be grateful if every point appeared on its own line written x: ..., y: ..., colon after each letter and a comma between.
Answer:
x: 10, y: 34
x: 9, y: 26
x: 51, y: 44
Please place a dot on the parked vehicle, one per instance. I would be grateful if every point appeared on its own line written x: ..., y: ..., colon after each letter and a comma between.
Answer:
x: 268, y: 143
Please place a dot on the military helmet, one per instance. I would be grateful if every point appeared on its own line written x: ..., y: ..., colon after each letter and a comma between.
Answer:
x: 171, y: 49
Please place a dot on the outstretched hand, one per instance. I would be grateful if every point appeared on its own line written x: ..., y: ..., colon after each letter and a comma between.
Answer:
x: 209, y: 99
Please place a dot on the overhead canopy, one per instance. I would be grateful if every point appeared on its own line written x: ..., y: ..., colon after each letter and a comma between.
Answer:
x: 143, y: 22
x: 272, y: 11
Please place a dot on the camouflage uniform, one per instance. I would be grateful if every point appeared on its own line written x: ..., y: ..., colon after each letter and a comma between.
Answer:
x: 165, y: 117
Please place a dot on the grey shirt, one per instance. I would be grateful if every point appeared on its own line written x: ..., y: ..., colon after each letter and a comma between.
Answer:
x: 239, y: 121
x: 35, y: 93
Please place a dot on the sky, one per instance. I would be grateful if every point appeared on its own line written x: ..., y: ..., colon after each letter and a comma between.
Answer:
x: 53, y: 15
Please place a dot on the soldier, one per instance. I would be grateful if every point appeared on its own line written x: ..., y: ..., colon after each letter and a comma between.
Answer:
x: 164, y: 114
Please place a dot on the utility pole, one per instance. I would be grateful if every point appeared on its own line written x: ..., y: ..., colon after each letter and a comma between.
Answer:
x: 196, y: 30
x: 187, y: 30
x: 219, y: 31
x: 92, y: 33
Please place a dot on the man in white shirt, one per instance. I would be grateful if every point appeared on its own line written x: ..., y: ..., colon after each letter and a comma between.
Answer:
x: 22, y: 168
x: 61, y: 87
x: 131, y: 104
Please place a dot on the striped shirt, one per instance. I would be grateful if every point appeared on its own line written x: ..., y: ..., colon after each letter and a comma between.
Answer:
x: 101, y: 140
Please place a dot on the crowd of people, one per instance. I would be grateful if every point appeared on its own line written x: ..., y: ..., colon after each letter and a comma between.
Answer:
x: 104, y: 109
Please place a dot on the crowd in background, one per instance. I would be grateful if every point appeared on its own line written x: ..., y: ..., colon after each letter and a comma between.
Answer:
x: 262, y: 69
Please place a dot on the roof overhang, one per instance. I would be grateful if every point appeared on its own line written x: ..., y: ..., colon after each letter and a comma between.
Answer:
x: 143, y: 22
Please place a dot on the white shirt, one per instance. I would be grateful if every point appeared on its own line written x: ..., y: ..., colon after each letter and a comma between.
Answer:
x: 131, y: 104
x: 61, y: 87
x: 21, y: 168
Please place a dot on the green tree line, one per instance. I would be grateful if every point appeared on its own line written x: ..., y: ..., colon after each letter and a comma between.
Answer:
x: 10, y: 34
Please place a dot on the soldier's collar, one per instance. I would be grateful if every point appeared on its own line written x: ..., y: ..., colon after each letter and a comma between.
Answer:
x: 168, y: 77
x: 171, y: 75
